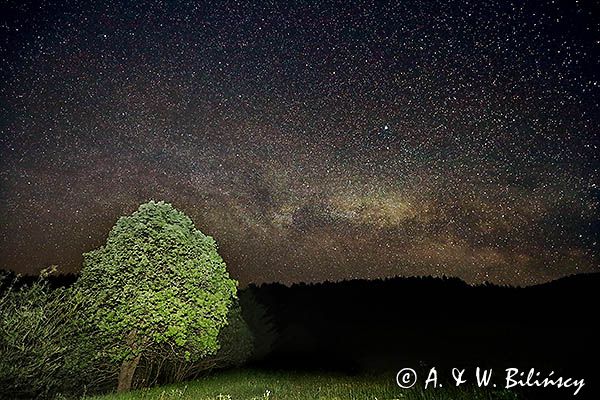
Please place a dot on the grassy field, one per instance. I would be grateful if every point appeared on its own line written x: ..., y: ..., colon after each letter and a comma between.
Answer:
x: 261, y: 385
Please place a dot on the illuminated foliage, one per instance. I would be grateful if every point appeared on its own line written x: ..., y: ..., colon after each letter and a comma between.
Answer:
x: 157, y: 282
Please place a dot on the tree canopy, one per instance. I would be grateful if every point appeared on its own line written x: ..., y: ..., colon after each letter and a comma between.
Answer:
x: 157, y: 283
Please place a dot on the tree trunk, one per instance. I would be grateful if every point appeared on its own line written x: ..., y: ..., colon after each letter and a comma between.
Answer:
x: 126, y: 373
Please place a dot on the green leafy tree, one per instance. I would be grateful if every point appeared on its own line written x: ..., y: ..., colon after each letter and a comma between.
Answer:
x: 158, y: 282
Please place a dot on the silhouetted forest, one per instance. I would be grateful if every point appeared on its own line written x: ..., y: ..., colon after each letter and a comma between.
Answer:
x: 384, y: 325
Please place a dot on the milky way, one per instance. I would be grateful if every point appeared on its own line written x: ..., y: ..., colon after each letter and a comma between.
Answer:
x: 314, y: 141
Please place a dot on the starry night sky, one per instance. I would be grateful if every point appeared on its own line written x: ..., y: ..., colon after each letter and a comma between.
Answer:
x: 314, y: 140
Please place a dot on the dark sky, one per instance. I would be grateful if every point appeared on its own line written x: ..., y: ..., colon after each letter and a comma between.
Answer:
x: 313, y: 140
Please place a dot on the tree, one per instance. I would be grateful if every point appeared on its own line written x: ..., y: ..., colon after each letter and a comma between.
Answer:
x: 158, y: 282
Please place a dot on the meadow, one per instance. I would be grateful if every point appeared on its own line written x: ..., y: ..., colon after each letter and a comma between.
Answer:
x: 248, y: 384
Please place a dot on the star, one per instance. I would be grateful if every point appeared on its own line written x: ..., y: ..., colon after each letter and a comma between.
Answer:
x: 313, y: 142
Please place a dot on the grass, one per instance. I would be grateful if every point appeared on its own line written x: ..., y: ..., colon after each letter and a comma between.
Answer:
x: 262, y: 385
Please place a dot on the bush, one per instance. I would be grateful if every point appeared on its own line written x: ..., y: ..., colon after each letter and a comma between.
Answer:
x: 43, y: 350
x: 33, y: 331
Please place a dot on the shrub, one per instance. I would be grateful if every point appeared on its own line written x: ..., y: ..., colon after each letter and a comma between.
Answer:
x: 36, y: 339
